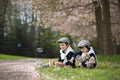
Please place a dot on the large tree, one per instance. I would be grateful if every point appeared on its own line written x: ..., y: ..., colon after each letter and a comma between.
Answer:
x: 107, y: 38
x: 3, y: 5
x: 119, y: 5
x: 99, y: 26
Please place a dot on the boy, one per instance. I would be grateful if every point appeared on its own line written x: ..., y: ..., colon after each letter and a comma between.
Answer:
x: 65, y: 53
x: 64, y: 57
x: 86, y: 56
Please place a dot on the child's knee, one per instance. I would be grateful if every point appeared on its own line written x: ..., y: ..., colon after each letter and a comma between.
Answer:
x: 91, y: 65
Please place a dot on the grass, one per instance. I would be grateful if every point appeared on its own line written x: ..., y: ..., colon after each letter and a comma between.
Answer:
x: 11, y: 57
x: 108, y: 68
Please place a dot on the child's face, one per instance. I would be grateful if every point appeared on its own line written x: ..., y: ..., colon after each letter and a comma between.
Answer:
x: 83, y: 49
x: 63, y: 46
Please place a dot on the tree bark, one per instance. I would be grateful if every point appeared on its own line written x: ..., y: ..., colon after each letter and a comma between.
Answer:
x: 99, y: 27
x: 119, y: 8
x: 107, y: 38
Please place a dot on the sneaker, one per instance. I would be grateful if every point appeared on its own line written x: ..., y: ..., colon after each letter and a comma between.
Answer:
x: 43, y: 65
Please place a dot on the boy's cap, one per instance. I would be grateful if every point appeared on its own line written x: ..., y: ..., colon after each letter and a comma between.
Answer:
x: 83, y: 43
x: 63, y: 39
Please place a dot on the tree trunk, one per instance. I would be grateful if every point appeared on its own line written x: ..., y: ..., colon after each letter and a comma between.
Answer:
x: 107, y: 38
x: 114, y: 45
x: 99, y: 27
x: 119, y: 8
x: 3, y: 5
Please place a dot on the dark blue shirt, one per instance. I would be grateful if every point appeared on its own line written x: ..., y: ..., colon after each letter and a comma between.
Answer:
x: 69, y: 56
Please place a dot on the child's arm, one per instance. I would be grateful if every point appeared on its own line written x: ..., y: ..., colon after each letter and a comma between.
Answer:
x: 72, y: 59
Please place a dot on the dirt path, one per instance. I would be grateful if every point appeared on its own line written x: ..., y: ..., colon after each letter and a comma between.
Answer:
x: 18, y: 70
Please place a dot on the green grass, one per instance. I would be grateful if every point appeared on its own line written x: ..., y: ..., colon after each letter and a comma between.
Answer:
x: 108, y: 68
x: 11, y: 57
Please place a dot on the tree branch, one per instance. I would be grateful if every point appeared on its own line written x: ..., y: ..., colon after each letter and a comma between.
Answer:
x: 116, y: 4
x: 74, y: 6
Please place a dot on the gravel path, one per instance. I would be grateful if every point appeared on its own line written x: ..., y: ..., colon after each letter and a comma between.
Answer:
x: 18, y: 70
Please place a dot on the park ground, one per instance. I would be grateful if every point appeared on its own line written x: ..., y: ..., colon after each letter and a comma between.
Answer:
x: 23, y: 68
x: 108, y: 68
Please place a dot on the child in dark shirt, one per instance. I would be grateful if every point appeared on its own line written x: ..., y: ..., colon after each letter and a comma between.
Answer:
x: 86, y: 56
x: 64, y: 56
x: 65, y: 53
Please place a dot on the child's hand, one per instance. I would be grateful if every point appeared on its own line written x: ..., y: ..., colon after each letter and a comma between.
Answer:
x: 51, y: 63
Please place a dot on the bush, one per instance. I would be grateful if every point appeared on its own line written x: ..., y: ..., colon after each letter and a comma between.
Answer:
x: 47, y: 41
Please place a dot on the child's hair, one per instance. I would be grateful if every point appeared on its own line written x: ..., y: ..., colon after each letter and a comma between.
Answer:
x: 88, y: 47
x: 64, y: 42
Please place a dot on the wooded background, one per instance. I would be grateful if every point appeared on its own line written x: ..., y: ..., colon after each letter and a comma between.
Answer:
x: 26, y: 25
